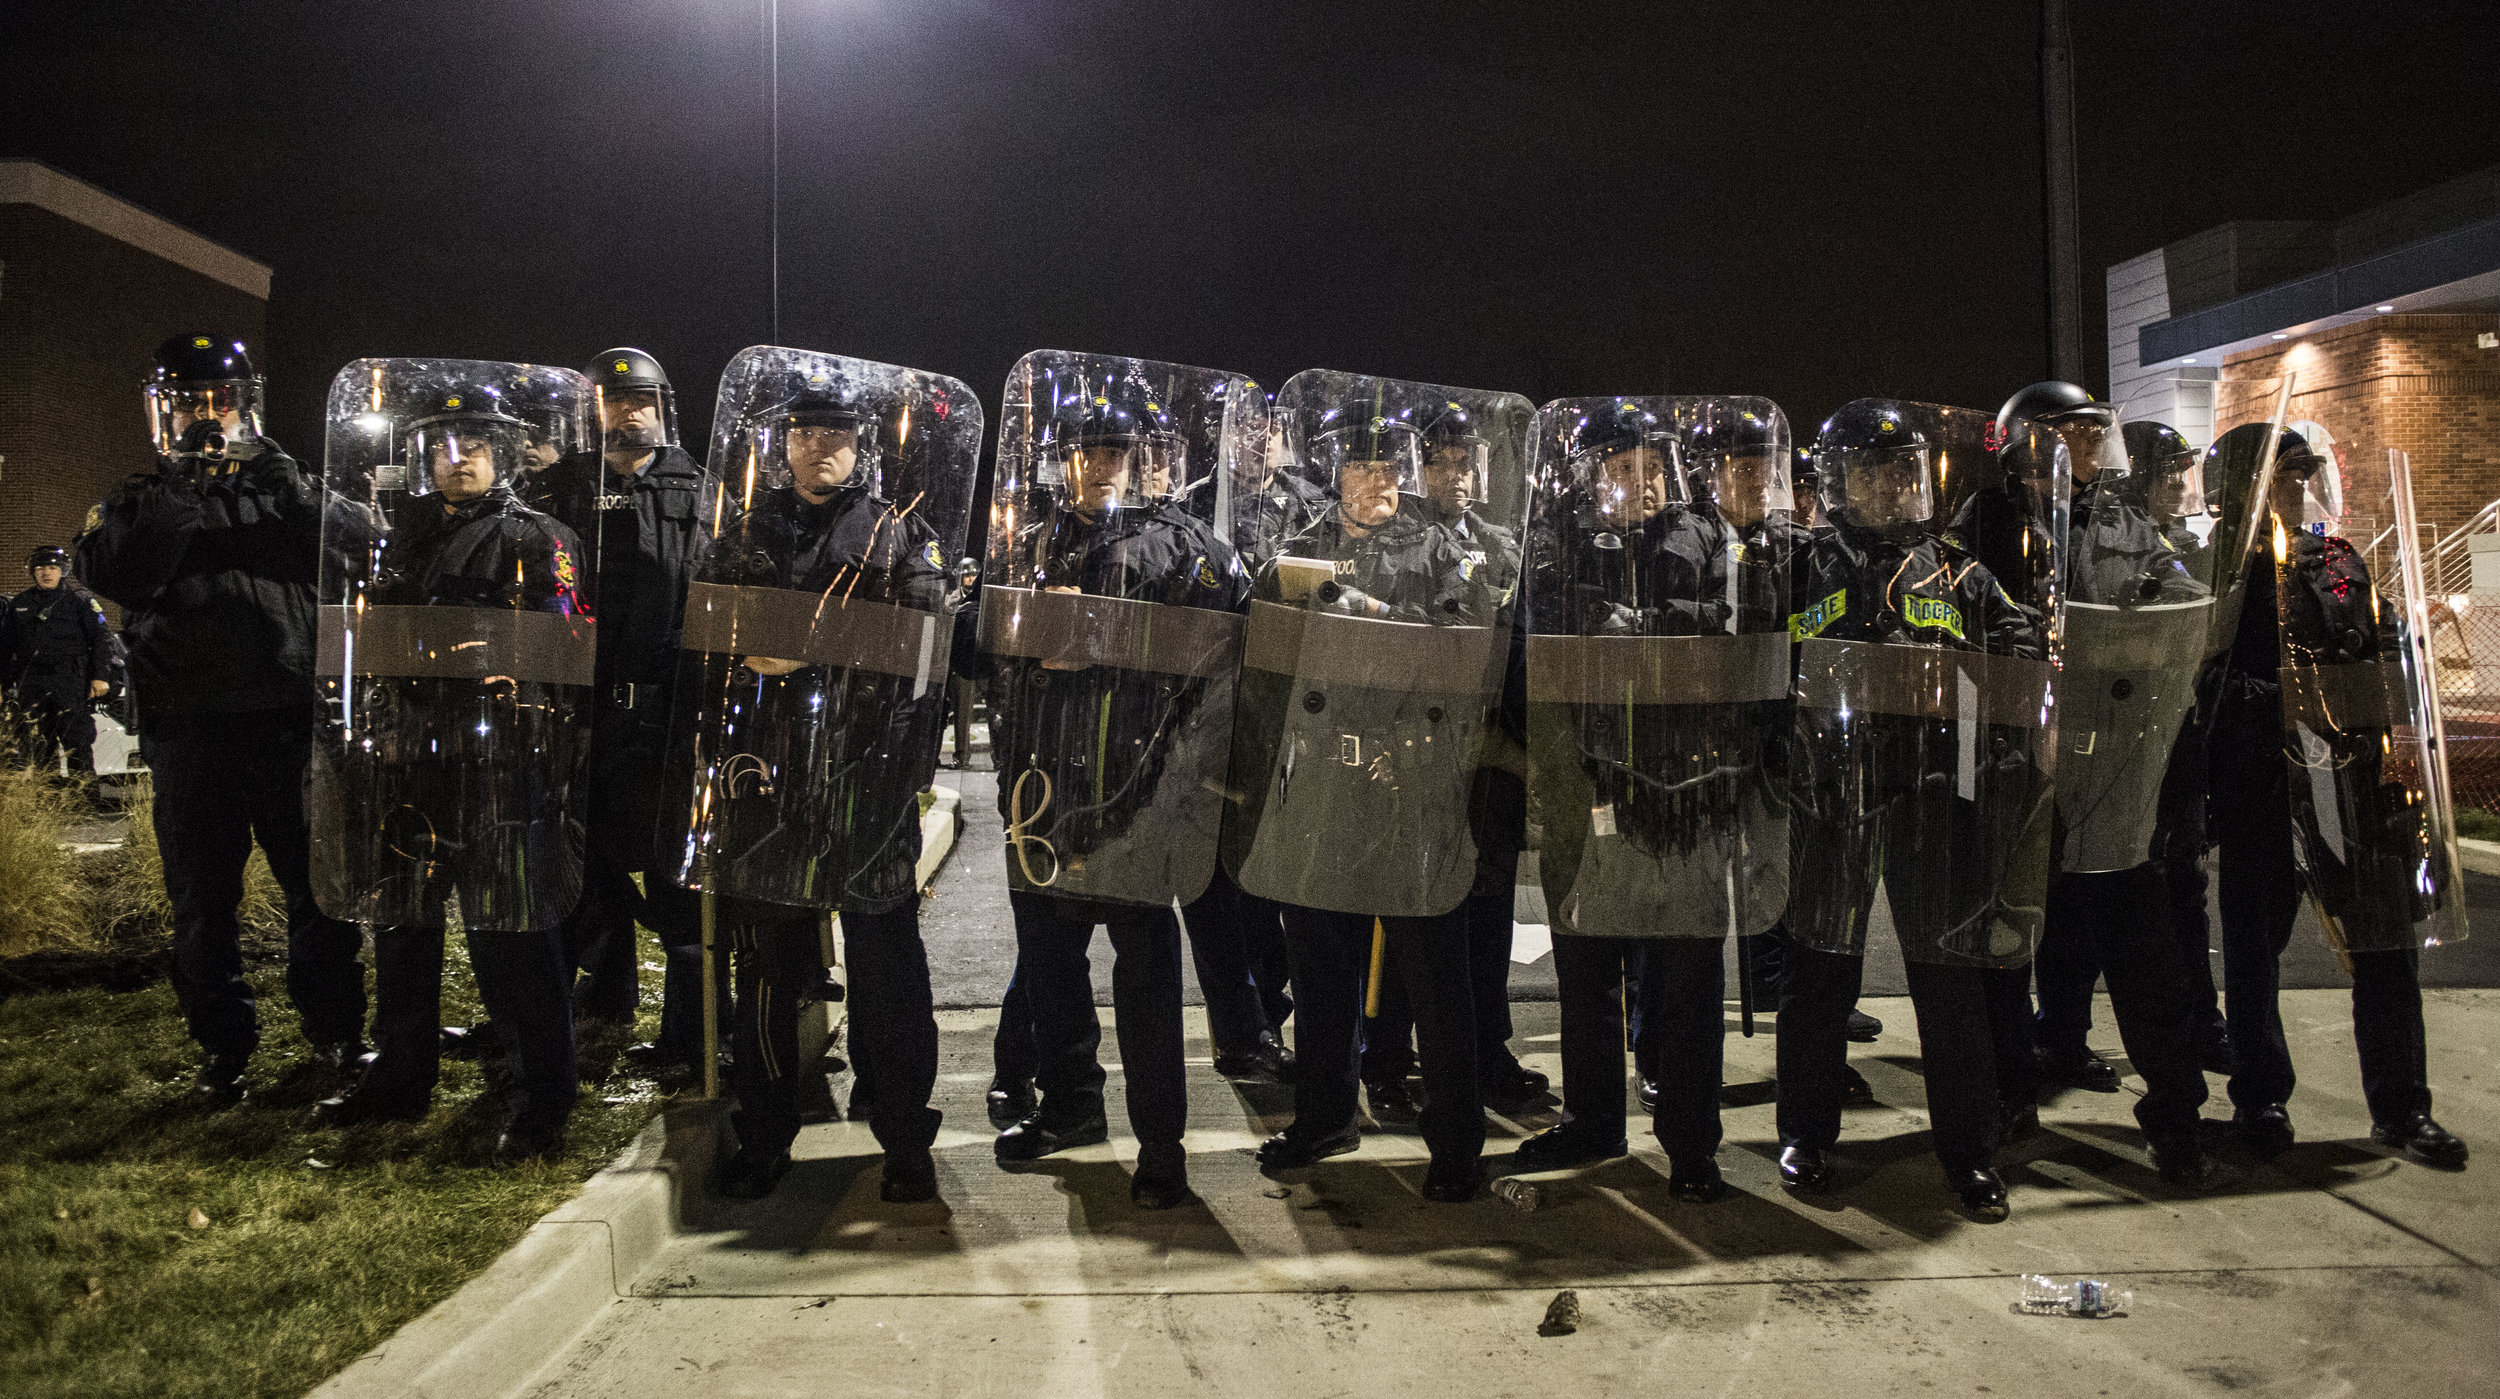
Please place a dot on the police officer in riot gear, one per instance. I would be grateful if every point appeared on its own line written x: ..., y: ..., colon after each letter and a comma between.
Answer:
x: 835, y: 756
x: 1391, y: 564
x: 2166, y: 481
x: 212, y: 557
x: 1861, y: 778
x: 1455, y: 455
x: 1621, y: 553
x: 638, y: 503
x: 58, y: 657
x: 2333, y: 616
x: 1091, y: 740
x: 465, y: 540
x: 2107, y: 908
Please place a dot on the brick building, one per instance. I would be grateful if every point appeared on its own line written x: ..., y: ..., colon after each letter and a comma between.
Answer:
x: 2389, y: 318
x: 89, y: 286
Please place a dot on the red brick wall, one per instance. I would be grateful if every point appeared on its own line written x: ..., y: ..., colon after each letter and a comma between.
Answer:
x: 81, y: 315
x: 2414, y: 383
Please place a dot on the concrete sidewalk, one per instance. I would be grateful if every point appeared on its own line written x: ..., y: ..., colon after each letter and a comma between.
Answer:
x: 2335, y: 1270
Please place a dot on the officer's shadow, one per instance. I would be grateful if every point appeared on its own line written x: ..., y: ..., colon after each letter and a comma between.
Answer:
x: 827, y: 1204
x: 1099, y: 1207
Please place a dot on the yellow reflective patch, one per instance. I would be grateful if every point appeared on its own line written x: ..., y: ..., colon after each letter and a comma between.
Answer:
x: 1813, y: 620
x: 1933, y: 612
x: 1206, y: 572
x: 624, y: 368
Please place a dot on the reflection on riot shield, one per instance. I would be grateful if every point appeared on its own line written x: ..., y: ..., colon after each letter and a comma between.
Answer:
x: 1921, y: 752
x: 2371, y: 808
x: 1375, y: 646
x: 455, y: 644
x: 812, y: 681
x: 1111, y: 618
x: 1656, y: 602
x: 2148, y: 568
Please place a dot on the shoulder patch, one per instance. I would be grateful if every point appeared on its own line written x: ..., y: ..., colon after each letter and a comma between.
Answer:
x: 1813, y: 620
x: 1933, y: 612
x: 1206, y: 573
x: 95, y: 518
x: 935, y: 555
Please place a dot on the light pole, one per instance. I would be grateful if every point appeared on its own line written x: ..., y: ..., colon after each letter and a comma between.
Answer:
x: 2057, y: 169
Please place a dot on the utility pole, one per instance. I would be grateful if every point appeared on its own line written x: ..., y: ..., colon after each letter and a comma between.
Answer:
x: 2057, y: 168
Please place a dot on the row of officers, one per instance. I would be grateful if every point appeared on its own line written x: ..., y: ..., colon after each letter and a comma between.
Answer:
x: 1304, y: 674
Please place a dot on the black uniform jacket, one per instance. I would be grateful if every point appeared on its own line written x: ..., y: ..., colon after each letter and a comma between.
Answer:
x: 491, y: 552
x: 642, y: 534
x: 1103, y: 734
x: 52, y: 642
x: 2118, y: 557
x: 1419, y: 571
x: 215, y: 576
x: 1925, y: 591
x: 857, y: 745
x: 1263, y: 517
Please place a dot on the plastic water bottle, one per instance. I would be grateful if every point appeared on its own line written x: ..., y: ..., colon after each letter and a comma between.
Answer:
x: 1520, y: 1195
x: 2088, y: 1297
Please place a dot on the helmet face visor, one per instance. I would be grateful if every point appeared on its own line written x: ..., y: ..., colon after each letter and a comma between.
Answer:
x: 1748, y: 483
x: 636, y: 418
x: 1879, y: 487
x: 2175, y: 487
x: 462, y: 458
x: 1454, y: 473
x: 1122, y: 472
x: 1632, y: 481
x: 1371, y: 466
x: 177, y: 409
x: 2096, y: 450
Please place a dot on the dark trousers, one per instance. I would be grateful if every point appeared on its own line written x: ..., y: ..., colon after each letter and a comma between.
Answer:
x: 1972, y: 1023
x: 627, y: 754
x: 893, y: 1023
x: 777, y: 960
x: 55, y: 723
x: 521, y: 977
x: 1052, y: 938
x: 2116, y: 925
x: 2260, y: 899
x: 1677, y: 988
x: 222, y: 782
x: 1014, y: 1061
x: 1388, y: 1038
x: 1331, y: 956
x: 2191, y: 930
x: 1237, y: 942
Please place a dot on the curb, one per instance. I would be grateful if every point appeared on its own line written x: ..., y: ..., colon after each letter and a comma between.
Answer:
x: 494, y: 1334
x: 2480, y: 856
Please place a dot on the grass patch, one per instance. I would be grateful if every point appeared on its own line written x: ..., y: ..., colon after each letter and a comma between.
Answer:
x: 309, y: 1246
x: 2474, y: 823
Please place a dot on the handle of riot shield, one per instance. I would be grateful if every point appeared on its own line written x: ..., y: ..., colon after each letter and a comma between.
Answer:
x: 1371, y: 984
x: 711, y: 1004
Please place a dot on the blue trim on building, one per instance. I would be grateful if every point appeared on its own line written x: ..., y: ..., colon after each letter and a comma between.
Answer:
x: 2416, y: 267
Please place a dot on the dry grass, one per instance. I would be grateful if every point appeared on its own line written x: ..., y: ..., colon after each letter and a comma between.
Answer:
x: 125, y: 889
x: 44, y: 901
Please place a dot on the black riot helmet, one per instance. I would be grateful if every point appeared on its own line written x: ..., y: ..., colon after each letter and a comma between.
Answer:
x: 1874, y: 468
x: 1360, y: 449
x: 1625, y: 463
x: 800, y: 440
x: 1738, y: 459
x: 48, y: 556
x: 1113, y: 447
x: 2086, y: 425
x: 203, y: 392
x: 460, y: 427
x: 2167, y: 476
x: 1457, y: 457
x: 622, y: 378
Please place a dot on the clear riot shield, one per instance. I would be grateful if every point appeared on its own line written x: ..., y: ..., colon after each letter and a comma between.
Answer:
x: 447, y: 786
x: 2372, y: 813
x: 1656, y: 605
x: 2155, y: 563
x: 813, y: 675
x: 1375, y: 646
x: 1111, y: 617
x: 1927, y: 621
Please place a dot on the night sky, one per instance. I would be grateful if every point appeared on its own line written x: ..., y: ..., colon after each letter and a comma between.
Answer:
x: 1812, y: 202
